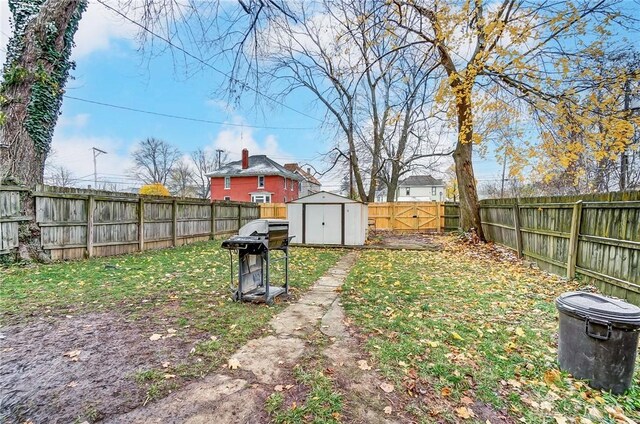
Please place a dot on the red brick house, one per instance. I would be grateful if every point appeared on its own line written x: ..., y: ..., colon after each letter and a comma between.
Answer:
x: 254, y: 179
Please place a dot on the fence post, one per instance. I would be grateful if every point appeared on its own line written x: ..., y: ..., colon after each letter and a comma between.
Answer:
x: 174, y: 224
x: 573, y: 240
x: 516, y: 224
x: 213, y: 220
x: 438, y: 217
x: 90, y: 206
x: 239, y: 216
x: 141, y: 224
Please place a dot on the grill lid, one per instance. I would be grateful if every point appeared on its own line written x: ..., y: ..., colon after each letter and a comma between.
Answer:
x: 263, y: 227
x: 594, y: 306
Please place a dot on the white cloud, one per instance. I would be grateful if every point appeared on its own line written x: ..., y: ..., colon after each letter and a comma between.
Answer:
x: 99, y: 28
x: 72, y: 149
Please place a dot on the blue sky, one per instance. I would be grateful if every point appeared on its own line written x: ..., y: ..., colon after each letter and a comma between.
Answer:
x: 111, y: 69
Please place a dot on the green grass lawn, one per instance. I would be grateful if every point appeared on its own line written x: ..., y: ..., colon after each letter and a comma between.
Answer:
x: 456, y: 331
x: 187, y: 287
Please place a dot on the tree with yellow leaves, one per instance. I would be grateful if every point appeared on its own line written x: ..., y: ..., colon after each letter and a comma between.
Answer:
x: 524, y: 49
x: 154, y: 189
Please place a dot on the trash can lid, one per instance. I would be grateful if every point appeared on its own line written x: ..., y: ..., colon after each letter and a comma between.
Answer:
x: 595, y: 306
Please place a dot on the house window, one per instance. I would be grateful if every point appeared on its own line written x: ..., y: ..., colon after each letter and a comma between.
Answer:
x: 261, y: 198
x: 433, y: 191
x: 292, y: 184
x: 407, y: 191
x: 227, y: 198
x: 227, y: 183
x: 285, y: 183
x: 261, y: 181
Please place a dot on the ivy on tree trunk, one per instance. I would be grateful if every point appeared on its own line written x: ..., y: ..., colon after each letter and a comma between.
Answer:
x: 34, y: 76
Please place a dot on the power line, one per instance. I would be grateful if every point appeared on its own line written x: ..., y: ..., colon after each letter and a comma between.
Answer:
x: 185, y: 118
x: 207, y: 64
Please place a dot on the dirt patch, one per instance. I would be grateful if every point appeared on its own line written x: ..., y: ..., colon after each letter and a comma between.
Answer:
x: 81, y: 367
x: 488, y: 413
x: 412, y: 240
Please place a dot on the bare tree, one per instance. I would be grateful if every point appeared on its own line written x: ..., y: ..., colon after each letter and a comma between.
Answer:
x: 181, y: 179
x: 154, y: 159
x: 59, y: 176
x: 204, y: 162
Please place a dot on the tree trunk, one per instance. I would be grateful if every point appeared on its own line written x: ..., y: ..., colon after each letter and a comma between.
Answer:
x: 35, y: 74
x: 462, y: 156
x: 392, y: 187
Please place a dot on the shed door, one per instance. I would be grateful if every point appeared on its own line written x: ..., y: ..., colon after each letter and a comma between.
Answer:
x: 323, y: 224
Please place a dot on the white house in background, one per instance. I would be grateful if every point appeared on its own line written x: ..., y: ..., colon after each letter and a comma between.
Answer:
x: 420, y: 188
x: 309, y: 184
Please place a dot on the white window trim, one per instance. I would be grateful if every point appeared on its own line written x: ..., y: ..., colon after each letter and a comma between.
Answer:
x: 265, y: 197
x: 285, y: 183
x: 434, y: 191
x: 227, y: 180
x: 260, y: 176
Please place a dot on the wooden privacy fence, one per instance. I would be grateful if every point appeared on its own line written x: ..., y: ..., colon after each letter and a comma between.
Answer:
x: 75, y: 223
x: 398, y: 216
x: 10, y: 217
x: 596, y: 237
x: 273, y: 210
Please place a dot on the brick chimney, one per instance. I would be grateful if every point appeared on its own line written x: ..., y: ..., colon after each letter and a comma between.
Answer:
x: 245, y: 158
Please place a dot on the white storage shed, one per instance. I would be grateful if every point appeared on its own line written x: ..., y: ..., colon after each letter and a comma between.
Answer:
x: 326, y: 218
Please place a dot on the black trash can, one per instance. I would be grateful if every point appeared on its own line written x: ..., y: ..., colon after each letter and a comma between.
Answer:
x: 598, y: 339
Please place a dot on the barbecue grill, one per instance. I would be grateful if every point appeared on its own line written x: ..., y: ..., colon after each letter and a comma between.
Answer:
x: 253, y: 245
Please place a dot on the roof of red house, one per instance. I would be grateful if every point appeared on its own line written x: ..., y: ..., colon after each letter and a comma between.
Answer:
x: 294, y: 167
x: 258, y: 165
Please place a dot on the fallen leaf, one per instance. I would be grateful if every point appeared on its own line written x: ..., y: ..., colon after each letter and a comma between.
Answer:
x: 168, y: 376
x: 171, y: 331
x: 519, y: 332
x: 155, y: 337
x: 446, y: 391
x: 73, y: 354
x: 466, y: 400
x: 278, y: 388
x: 464, y: 412
x: 362, y: 364
x: 233, y: 364
x: 72, y: 384
x: 456, y: 336
x: 560, y: 419
x: 595, y: 413
x: 288, y: 386
x: 165, y: 364
x: 402, y: 364
x: 213, y: 338
x: 434, y: 344
x: 551, y: 377
x: 387, y: 410
x: 386, y: 387
x: 546, y: 406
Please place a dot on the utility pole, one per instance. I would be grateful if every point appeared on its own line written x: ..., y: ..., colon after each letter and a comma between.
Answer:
x: 96, y: 152
x: 624, y: 158
x: 219, y: 153
x: 504, y: 170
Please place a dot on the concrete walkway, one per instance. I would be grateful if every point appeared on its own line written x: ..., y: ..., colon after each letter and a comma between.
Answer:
x: 237, y: 396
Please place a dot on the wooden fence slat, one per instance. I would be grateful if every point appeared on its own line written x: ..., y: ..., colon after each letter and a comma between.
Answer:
x: 576, y: 219
x: 90, y: 212
x: 516, y: 221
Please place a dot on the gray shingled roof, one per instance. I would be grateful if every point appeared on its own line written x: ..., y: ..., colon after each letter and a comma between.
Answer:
x: 421, y: 180
x: 258, y: 165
